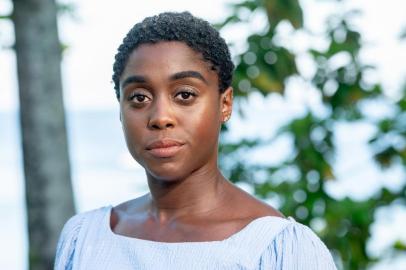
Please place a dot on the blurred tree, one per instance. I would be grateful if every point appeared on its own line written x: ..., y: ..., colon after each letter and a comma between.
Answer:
x: 266, y: 66
x: 49, y: 197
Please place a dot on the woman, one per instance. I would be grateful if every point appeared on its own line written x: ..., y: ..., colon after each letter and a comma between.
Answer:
x: 172, y: 77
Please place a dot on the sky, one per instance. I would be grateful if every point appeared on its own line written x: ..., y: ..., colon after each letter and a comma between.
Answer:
x: 96, y: 29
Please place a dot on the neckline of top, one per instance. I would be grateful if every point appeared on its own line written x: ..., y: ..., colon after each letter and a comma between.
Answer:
x: 106, y: 225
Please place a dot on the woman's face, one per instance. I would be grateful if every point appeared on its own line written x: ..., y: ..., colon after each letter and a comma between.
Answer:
x: 171, y: 110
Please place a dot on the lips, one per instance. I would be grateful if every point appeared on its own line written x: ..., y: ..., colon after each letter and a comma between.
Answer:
x: 164, y: 148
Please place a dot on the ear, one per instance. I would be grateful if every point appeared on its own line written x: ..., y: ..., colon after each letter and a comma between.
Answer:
x: 226, y: 103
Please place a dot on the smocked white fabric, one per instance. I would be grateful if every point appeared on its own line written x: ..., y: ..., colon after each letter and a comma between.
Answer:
x: 271, y: 243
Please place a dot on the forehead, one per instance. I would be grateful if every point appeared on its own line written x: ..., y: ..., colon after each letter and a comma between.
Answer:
x: 166, y: 57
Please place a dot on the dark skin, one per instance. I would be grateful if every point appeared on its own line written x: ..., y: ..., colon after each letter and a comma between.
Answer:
x: 171, y: 112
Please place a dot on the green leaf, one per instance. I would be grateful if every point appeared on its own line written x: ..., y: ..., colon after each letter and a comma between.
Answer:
x: 399, y: 245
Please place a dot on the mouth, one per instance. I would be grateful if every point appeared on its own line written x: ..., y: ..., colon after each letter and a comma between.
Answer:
x: 165, y: 148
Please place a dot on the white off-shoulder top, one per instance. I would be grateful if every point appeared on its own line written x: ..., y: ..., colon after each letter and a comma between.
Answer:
x: 272, y: 243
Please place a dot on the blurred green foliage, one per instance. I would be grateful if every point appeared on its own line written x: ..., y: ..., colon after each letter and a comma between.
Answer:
x: 265, y: 67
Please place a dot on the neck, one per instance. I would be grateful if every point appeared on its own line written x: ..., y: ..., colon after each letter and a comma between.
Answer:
x: 198, y: 194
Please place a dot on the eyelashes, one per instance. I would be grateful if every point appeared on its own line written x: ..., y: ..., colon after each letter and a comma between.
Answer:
x: 185, y: 95
x: 182, y: 95
x: 137, y: 97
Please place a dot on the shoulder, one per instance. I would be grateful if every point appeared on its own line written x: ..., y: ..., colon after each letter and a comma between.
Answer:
x: 132, y: 207
x: 75, y: 222
x: 70, y: 235
x: 248, y: 206
x: 297, y: 246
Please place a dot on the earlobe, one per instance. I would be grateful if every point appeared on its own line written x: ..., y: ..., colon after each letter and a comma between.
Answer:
x: 227, y: 104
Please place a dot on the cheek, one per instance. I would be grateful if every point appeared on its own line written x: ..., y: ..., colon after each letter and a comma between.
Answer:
x: 204, y: 125
x: 131, y: 125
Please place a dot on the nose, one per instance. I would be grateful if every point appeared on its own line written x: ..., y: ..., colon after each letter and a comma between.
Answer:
x: 162, y: 116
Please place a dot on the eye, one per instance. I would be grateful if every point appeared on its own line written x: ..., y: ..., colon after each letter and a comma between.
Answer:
x: 185, y: 95
x: 138, y: 98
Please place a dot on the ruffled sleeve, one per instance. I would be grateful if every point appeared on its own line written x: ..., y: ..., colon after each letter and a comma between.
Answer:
x: 67, y: 242
x: 297, y: 247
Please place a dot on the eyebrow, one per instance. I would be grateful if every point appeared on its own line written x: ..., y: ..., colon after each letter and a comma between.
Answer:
x: 174, y: 77
x: 188, y: 74
x: 133, y: 79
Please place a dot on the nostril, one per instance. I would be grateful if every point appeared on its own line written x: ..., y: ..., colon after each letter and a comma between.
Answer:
x: 161, y: 125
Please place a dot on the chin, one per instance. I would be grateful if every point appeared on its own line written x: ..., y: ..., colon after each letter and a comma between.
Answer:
x: 166, y: 173
x: 166, y: 170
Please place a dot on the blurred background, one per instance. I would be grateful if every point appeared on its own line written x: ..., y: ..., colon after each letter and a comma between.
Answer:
x: 318, y: 128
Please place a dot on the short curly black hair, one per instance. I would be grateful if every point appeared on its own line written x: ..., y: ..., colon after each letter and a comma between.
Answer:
x: 197, y: 33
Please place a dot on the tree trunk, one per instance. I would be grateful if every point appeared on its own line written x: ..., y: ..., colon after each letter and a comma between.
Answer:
x: 49, y: 196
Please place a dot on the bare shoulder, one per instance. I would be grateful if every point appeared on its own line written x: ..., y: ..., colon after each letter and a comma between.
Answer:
x: 251, y: 206
x: 127, y: 208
